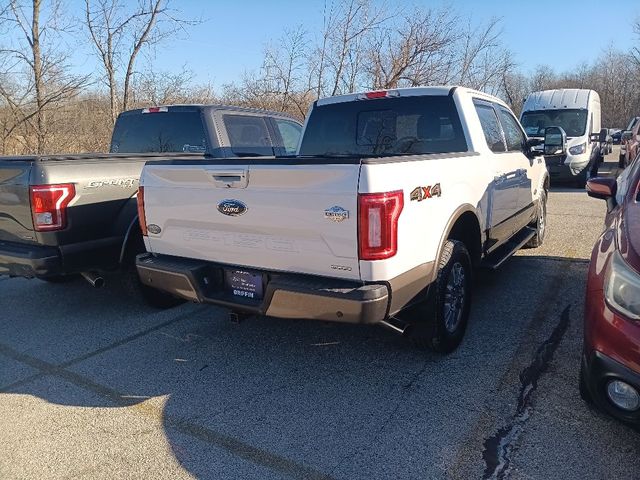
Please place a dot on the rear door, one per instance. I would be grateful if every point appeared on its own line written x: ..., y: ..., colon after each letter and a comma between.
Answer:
x: 16, y: 223
x: 503, y: 191
x: 296, y: 216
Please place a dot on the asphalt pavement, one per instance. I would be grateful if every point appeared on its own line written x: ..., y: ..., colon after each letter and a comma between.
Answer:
x: 93, y: 384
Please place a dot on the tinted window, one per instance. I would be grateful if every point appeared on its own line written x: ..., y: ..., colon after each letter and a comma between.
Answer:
x: 290, y: 133
x: 172, y: 131
x: 512, y: 132
x: 490, y: 127
x: 390, y: 126
x: 248, y: 135
x: 573, y: 122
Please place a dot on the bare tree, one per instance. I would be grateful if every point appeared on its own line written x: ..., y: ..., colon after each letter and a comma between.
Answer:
x: 416, y: 52
x: 36, y: 56
x: 120, y: 32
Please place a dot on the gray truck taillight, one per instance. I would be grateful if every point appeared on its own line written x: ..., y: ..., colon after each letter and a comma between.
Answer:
x: 49, y: 205
x: 378, y: 215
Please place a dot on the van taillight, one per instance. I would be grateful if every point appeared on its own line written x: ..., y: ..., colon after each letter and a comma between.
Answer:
x: 49, y: 206
x: 142, y: 218
x: 378, y: 215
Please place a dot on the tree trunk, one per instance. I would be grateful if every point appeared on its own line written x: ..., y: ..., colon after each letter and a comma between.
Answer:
x: 37, y: 77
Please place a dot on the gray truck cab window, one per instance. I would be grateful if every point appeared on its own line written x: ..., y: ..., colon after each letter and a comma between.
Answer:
x: 512, y: 132
x: 248, y: 135
x: 290, y: 133
x: 491, y: 127
x: 172, y: 131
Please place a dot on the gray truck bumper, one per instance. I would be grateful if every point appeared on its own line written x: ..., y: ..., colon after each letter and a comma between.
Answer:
x: 284, y: 295
x: 30, y: 261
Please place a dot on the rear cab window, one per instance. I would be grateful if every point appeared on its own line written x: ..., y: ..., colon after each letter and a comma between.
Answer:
x: 248, y: 134
x: 170, y: 131
x: 385, y: 127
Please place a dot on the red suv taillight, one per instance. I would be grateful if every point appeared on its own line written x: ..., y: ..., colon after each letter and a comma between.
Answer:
x: 142, y: 219
x: 378, y: 215
x: 49, y: 206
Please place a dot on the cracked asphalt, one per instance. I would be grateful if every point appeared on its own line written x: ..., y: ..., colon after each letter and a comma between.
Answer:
x: 95, y: 385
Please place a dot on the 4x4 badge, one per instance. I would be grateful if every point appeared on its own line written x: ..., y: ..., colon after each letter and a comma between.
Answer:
x: 422, y: 193
x: 336, y: 214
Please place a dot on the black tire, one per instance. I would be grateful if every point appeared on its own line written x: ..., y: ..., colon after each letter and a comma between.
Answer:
x: 433, y: 325
x: 540, y: 223
x: 151, y: 296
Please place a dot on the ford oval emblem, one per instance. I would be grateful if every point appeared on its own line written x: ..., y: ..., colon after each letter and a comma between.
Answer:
x: 153, y: 228
x: 233, y: 208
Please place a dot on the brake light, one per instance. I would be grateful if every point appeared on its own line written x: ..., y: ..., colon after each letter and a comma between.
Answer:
x: 142, y: 218
x: 379, y: 94
x: 378, y: 215
x: 155, y: 110
x: 49, y: 206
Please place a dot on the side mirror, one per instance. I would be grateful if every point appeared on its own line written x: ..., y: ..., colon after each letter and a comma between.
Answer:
x: 555, y: 141
x: 627, y: 135
x: 603, y: 188
x: 604, y: 133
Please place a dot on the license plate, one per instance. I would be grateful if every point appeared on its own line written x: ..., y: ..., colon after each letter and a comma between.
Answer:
x: 243, y: 284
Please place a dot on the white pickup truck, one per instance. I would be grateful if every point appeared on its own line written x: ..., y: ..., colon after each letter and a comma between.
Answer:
x: 394, y: 197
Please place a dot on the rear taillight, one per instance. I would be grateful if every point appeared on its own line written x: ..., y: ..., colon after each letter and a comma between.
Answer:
x: 142, y: 219
x: 49, y: 206
x: 378, y: 215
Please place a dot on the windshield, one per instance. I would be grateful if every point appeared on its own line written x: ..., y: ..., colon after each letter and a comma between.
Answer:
x: 172, y: 131
x: 381, y: 127
x: 572, y: 121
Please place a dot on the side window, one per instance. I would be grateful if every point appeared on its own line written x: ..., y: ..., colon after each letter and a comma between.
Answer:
x: 512, y: 132
x: 491, y: 127
x: 290, y: 133
x: 248, y: 134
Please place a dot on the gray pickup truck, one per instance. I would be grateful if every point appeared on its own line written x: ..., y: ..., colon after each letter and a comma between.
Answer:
x: 64, y: 215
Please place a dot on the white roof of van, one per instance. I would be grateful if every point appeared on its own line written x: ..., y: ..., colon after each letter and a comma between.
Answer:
x: 559, y: 99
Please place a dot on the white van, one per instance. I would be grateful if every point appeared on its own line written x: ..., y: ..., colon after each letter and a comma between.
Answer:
x: 577, y: 112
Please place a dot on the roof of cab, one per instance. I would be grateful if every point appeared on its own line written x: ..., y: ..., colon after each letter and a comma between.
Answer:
x: 441, y: 90
x: 213, y: 106
x: 560, y: 99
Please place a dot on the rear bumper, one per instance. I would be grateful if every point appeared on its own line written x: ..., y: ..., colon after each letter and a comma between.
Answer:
x: 30, y: 261
x: 285, y: 295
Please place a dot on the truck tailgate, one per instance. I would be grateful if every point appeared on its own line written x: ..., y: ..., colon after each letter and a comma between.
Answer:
x: 267, y: 216
x: 16, y: 223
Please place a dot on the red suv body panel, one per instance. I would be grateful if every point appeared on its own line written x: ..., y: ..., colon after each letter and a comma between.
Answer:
x: 612, y: 340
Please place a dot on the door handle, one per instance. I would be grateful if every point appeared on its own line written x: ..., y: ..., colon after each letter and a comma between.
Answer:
x: 232, y: 178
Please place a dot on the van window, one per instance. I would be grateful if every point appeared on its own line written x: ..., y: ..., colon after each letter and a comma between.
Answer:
x: 491, y: 127
x: 572, y: 121
x: 512, y: 131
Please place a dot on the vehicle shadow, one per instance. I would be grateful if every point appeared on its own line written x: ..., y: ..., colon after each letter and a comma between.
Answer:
x: 269, y: 398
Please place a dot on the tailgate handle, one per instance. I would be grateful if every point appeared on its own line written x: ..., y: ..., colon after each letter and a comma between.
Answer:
x: 230, y: 178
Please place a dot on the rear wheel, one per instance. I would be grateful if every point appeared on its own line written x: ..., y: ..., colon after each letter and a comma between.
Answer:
x: 540, y: 223
x: 441, y: 321
x: 151, y: 296
x: 134, y: 286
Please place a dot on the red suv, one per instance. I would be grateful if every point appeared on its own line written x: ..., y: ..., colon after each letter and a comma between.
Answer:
x: 610, y: 374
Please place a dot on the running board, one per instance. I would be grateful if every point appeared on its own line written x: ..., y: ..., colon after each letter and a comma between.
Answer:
x: 502, y: 254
